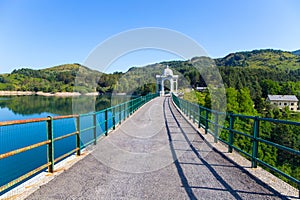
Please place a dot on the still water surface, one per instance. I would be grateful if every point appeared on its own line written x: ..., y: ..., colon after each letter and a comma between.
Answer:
x: 26, y: 107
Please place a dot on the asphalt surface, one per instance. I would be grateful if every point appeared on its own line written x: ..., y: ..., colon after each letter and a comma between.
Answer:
x: 155, y: 154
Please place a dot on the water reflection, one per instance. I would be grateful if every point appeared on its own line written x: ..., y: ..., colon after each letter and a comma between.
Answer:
x: 39, y: 106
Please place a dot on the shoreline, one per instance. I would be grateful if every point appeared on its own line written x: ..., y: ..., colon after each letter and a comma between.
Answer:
x: 57, y: 94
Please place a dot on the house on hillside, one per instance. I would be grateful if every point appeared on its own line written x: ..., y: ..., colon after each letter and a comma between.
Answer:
x: 201, y: 89
x: 282, y: 101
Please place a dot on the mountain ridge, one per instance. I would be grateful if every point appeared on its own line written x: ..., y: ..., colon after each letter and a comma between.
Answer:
x: 276, y: 65
x: 261, y: 58
x: 235, y: 59
x: 297, y: 52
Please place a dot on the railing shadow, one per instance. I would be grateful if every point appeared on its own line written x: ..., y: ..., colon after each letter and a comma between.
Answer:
x: 181, y: 174
x: 188, y: 188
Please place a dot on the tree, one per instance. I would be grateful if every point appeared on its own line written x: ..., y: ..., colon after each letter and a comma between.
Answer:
x: 232, y: 103
x: 259, y: 104
x: 246, y: 105
x: 207, y: 100
x: 270, y: 87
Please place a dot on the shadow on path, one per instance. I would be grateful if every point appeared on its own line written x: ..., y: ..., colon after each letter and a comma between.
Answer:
x: 183, y: 178
x: 185, y: 182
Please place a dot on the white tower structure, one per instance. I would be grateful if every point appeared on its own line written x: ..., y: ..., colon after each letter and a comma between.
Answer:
x: 166, y: 75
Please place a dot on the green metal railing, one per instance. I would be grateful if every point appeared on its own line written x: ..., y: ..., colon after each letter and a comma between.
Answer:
x: 103, y: 121
x: 209, y: 120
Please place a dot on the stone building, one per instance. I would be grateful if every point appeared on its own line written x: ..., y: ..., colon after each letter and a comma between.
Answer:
x: 282, y: 101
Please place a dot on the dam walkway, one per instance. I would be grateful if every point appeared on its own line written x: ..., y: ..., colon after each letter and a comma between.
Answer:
x: 155, y: 154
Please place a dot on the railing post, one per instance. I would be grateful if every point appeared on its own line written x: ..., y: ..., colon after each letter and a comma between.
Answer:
x: 230, y: 136
x: 139, y: 103
x: 255, y: 143
x: 51, y: 144
x: 216, y: 135
x: 120, y: 113
x: 114, y: 117
x: 127, y: 109
x: 206, y: 121
x: 186, y: 108
x: 95, y: 128
x: 194, y: 113
x: 78, y: 135
x: 106, y: 122
x: 124, y: 109
x: 199, y: 118
x: 189, y: 110
x: 133, y: 106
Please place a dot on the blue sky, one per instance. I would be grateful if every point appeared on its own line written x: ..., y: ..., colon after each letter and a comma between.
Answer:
x: 45, y: 33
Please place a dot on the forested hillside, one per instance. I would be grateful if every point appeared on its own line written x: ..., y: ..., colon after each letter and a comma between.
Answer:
x: 296, y: 52
x: 262, y: 71
x: 62, y: 78
x: 56, y: 79
x: 247, y: 83
x: 273, y: 59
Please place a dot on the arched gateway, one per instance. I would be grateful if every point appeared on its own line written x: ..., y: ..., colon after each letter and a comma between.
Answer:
x: 166, y: 75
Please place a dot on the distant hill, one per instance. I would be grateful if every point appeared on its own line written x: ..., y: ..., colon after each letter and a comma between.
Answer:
x: 261, y: 58
x: 296, y: 52
x: 241, y: 69
x: 55, y: 79
x: 262, y: 71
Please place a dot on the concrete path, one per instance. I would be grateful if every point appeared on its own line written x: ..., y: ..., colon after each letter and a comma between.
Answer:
x: 155, y: 154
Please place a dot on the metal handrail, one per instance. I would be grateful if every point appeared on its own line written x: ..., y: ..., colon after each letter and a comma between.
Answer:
x: 125, y: 109
x: 185, y: 106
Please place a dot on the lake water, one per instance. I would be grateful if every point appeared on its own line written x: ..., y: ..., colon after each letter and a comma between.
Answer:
x: 27, y: 107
